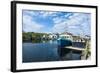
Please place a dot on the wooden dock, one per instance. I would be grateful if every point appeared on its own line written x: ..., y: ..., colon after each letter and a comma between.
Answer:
x: 75, y: 48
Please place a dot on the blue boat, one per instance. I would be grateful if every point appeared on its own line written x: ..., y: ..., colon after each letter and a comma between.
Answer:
x: 62, y: 42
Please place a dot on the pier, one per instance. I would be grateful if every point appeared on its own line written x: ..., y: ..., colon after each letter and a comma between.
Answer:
x: 75, y: 48
x: 71, y: 52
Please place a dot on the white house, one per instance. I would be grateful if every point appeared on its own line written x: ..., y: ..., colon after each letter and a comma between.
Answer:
x: 53, y: 36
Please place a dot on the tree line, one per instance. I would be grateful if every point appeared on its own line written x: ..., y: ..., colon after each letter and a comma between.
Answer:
x: 32, y: 36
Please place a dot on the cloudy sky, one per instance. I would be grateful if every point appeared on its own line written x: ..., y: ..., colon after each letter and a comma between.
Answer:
x: 56, y: 22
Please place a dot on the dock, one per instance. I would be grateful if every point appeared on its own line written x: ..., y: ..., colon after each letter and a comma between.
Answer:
x: 75, y: 48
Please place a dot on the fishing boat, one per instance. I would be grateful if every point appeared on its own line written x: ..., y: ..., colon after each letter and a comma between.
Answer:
x: 64, y: 40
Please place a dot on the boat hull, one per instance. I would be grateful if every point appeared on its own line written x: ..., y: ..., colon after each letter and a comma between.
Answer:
x: 64, y: 42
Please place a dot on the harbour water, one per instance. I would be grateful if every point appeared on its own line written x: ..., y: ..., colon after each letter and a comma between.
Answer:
x: 46, y: 51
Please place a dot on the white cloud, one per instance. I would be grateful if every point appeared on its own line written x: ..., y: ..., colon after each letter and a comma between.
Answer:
x: 76, y: 22
x: 40, y: 13
x: 47, y: 13
x: 30, y: 12
x: 31, y: 26
x: 68, y: 15
x: 60, y: 27
x: 29, y: 23
x: 60, y: 19
x: 57, y: 20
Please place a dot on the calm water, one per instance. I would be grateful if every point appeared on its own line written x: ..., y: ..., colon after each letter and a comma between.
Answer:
x: 46, y: 51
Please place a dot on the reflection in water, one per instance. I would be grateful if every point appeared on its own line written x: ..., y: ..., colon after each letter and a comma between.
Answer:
x: 46, y: 51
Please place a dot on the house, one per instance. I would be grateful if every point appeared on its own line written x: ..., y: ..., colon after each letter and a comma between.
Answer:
x: 87, y: 37
x: 53, y: 36
x: 77, y: 38
x: 45, y: 37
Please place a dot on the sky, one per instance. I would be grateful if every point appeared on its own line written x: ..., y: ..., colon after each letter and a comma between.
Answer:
x: 56, y: 22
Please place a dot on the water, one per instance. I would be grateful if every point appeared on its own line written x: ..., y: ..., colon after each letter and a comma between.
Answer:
x: 46, y: 51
